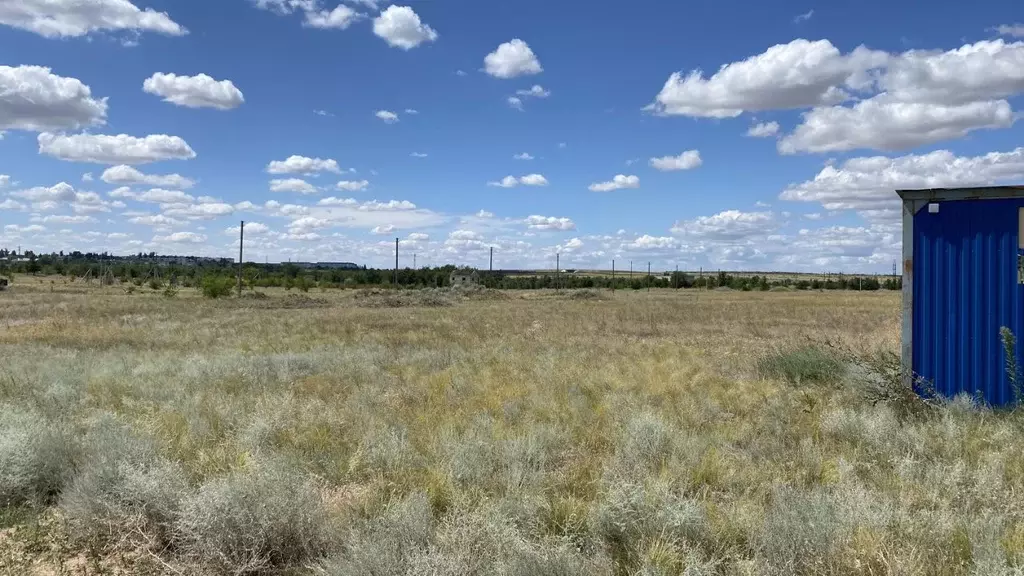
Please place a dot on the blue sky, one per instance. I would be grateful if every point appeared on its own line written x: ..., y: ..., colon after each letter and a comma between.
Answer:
x: 152, y: 125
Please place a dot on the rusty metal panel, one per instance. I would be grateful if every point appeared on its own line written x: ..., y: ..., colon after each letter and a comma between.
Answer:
x: 964, y: 287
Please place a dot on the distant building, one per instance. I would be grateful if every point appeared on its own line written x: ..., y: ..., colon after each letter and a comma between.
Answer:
x: 464, y: 278
x: 328, y: 265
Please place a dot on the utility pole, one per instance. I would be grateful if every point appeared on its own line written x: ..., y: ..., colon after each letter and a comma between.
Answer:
x: 648, y: 276
x: 675, y: 277
x: 613, y: 275
x: 630, y: 270
x: 558, y: 270
x: 414, y: 261
x: 396, y: 262
x: 490, y: 267
x: 241, y: 241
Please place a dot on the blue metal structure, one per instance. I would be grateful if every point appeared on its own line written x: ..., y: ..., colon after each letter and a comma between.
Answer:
x: 963, y: 281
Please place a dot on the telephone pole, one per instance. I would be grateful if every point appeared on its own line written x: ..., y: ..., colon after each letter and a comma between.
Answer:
x: 490, y: 267
x: 396, y: 262
x: 613, y: 275
x: 648, y: 276
x: 241, y: 241
x: 558, y: 270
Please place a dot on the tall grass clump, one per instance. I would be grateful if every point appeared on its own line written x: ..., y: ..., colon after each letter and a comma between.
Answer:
x: 37, y: 457
x: 125, y: 492
x: 266, y: 516
x: 805, y: 365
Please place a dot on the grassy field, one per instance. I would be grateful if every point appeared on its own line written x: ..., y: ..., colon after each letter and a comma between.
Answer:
x: 536, y: 433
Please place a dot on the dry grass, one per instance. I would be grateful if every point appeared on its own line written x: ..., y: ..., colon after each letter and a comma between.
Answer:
x: 635, y: 433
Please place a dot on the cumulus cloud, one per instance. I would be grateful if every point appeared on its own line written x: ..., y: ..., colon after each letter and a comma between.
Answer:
x: 411, y: 111
x: 156, y: 220
x: 763, y: 130
x: 296, y: 185
x: 727, y: 225
x: 110, y: 149
x: 868, y: 184
x: 401, y: 27
x: 384, y: 229
x: 516, y: 103
x: 418, y: 237
x: 52, y: 19
x: 523, y: 156
x: 537, y: 91
x: 303, y: 165
x: 332, y: 201
x: 352, y: 186
x: 126, y: 175
x: 161, y: 196
x: 800, y: 74
x: 251, y: 229
x: 61, y: 192
x: 512, y: 59
x: 182, y: 238
x: 387, y: 116
x: 205, y: 211
x: 648, y: 243
x: 549, y: 223
x: 686, y: 161
x: 199, y: 91
x: 527, y: 180
x: 12, y: 206
x: 339, y: 18
x: 1015, y: 30
x: 64, y: 219
x: 33, y: 98
x: 620, y: 181
x: 882, y: 124
x: 419, y: 155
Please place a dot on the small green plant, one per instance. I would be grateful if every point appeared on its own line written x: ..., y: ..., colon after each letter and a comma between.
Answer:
x: 809, y: 364
x: 155, y: 284
x: 217, y: 286
x: 1012, y: 367
x: 129, y: 289
x: 170, y: 292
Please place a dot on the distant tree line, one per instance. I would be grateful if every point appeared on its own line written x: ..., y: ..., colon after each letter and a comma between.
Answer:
x: 156, y: 270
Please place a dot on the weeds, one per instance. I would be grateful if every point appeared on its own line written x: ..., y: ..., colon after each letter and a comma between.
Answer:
x: 806, y: 365
x: 37, y: 457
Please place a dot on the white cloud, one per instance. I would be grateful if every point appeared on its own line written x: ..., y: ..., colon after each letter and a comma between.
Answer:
x: 340, y: 18
x: 12, y: 205
x: 251, y: 229
x: 537, y: 91
x: 323, y: 113
x: 868, y: 184
x: 161, y: 196
x: 61, y: 192
x: 296, y: 185
x: 618, y: 182
x: 352, y: 186
x: 387, y: 116
x: 514, y: 102
x: 803, y: 17
x: 523, y: 156
x: 63, y: 219
x: 648, y: 243
x: 390, y: 205
x: 156, y: 220
x: 119, y: 149
x: 206, y: 211
x: 727, y: 225
x: 385, y: 229
x: 57, y: 19
x: 199, y: 91
x: 562, y: 144
x: 512, y: 59
x: 303, y: 165
x: 986, y: 70
x: 32, y: 229
x: 460, y: 73
x: 533, y: 180
x: 87, y: 177
x: 401, y: 27
x: 763, y: 130
x: 32, y: 98
x: 332, y: 201
x: 411, y: 111
x: 527, y: 180
x: 1015, y: 30
x: 418, y: 237
x: 5, y: 180
x: 126, y: 175
x: 182, y: 238
x: 549, y: 223
x: 686, y: 161
x: 484, y: 214
x: 799, y: 74
x: 118, y: 236
x: 419, y: 155
x: 882, y: 124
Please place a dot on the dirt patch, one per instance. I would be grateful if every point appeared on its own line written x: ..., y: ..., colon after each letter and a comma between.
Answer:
x: 428, y: 298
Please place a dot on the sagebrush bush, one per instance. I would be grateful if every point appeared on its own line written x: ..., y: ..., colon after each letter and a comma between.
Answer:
x: 37, y: 457
x: 124, y: 492
x: 809, y: 364
x: 265, y: 516
x: 802, y: 533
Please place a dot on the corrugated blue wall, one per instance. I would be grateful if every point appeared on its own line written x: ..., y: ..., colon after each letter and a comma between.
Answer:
x: 965, y: 290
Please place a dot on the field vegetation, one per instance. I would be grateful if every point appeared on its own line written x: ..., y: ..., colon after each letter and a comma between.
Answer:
x: 458, y: 433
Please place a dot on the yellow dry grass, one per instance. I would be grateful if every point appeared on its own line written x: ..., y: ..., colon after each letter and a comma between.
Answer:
x: 536, y: 434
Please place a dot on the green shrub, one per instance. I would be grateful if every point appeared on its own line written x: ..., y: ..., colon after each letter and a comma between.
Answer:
x: 217, y: 286
x: 809, y: 364
x: 262, y: 518
x: 170, y: 291
x: 155, y: 284
x: 36, y: 457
